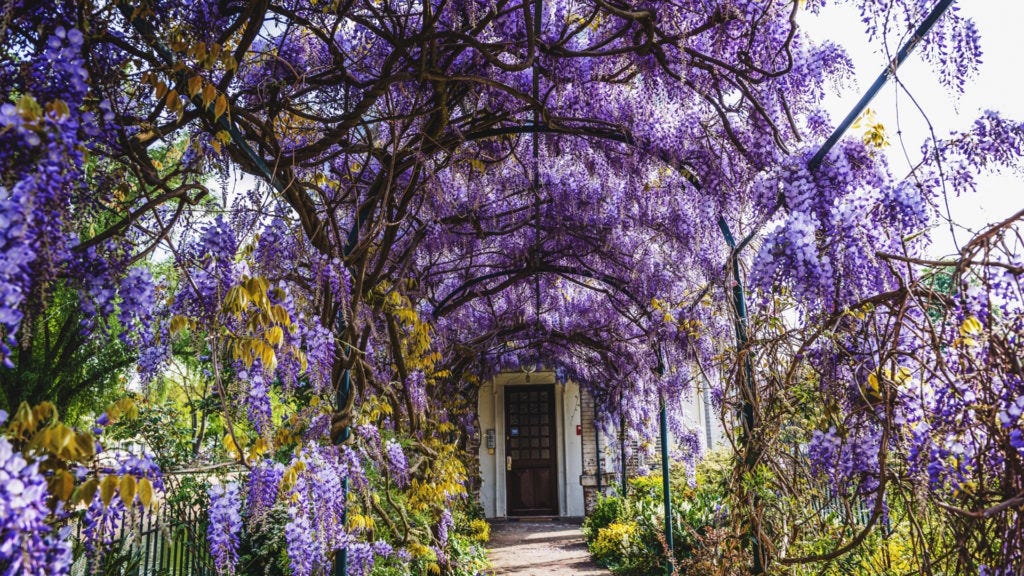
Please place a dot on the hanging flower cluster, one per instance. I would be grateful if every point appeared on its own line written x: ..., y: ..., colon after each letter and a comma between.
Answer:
x: 224, y: 526
x: 28, y: 544
x: 398, y: 466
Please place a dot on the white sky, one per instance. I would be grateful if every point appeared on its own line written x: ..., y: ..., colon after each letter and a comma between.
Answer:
x: 998, y: 86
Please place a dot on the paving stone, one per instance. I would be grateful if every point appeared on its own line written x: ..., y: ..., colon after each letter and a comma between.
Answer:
x: 536, y: 548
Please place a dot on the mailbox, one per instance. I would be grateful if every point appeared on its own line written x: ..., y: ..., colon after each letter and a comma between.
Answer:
x: 489, y: 440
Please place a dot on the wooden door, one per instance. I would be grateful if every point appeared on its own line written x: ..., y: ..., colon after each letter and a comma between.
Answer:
x: 531, y: 469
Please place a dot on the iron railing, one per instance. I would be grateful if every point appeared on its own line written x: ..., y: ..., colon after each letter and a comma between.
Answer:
x: 170, y: 541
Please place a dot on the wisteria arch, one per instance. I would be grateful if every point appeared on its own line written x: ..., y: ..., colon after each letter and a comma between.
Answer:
x: 391, y: 138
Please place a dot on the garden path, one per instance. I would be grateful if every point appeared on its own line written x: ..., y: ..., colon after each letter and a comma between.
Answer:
x: 536, y: 548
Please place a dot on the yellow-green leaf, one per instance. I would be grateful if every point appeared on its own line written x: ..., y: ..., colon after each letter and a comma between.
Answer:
x: 145, y: 490
x: 274, y: 336
x: 108, y: 486
x: 61, y: 485
x: 209, y: 93
x: 873, y: 383
x: 85, y: 447
x: 971, y: 326
x: 29, y: 108
x: 280, y: 315
x: 236, y: 299
x: 127, y: 488
x: 257, y: 288
x: 45, y: 411
x: 267, y: 355
x: 59, y: 108
x: 195, y: 85
x: 23, y: 425
x: 288, y: 478
x: 85, y: 492
x: 220, y: 107
x: 129, y: 408
x: 178, y: 323
x: 230, y: 445
x: 62, y: 438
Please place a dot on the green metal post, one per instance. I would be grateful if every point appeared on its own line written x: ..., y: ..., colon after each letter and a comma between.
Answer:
x: 597, y: 447
x: 748, y: 391
x: 665, y: 489
x: 666, y: 492
x: 341, y: 401
x: 622, y: 447
x: 890, y: 70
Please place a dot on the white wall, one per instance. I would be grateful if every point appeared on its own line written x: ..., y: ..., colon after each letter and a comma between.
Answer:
x: 706, y: 418
x: 700, y: 416
x: 491, y: 408
x: 570, y: 468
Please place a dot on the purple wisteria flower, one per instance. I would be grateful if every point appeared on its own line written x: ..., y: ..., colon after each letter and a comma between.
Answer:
x: 258, y: 397
x: 370, y: 436
x: 264, y: 485
x: 353, y: 467
x: 141, y: 466
x: 303, y: 550
x: 137, y: 300
x: 822, y: 450
x: 444, y: 526
x: 224, y: 527
x: 28, y: 546
x: 100, y: 524
x: 416, y: 387
x: 360, y: 558
x: 397, y: 463
x: 317, y: 505
x: 40, y: 158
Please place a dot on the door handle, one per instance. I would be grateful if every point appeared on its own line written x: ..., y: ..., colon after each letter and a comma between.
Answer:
x: 508, y: 462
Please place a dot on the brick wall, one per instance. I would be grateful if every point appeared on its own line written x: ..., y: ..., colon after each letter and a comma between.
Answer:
x: 610, y: 472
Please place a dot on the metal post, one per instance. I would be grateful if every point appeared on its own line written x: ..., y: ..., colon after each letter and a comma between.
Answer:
x: 666, y: 491
x: 890, y: 69
x: 622, y: 446
x: 341, y: 402
x: 747, y: 388
x: 597, y: 446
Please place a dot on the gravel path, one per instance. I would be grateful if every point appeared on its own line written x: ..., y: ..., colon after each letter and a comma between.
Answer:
x: 536, y: 548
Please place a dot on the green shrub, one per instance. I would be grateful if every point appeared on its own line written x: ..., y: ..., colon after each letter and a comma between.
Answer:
x: 607, y: 510
x: 615, y: 542
x: 262, y: 546
x: 627, y: 534
x: 713, y: 471
x: 479, y: 530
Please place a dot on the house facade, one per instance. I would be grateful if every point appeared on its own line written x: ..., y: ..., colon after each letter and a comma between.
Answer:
x: 540, y: 453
